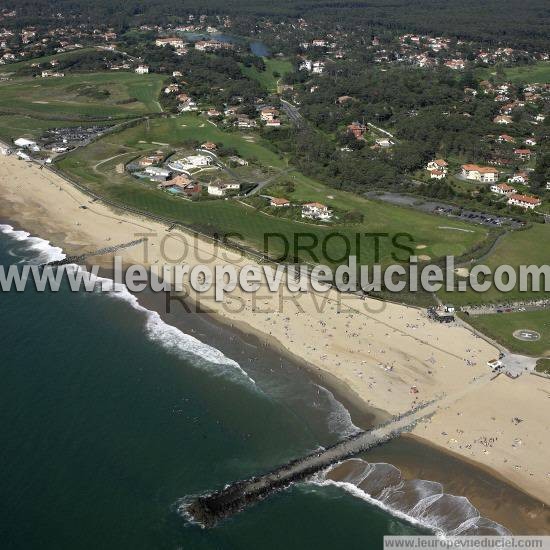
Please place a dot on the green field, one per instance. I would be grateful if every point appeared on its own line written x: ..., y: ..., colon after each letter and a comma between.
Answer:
x: 526, y: 247
x: 274, y: 69
x: 13, y: 67
x: 538, y: 72
x: 89, y: 165
x: 501, y: 326
x: 82, y: 96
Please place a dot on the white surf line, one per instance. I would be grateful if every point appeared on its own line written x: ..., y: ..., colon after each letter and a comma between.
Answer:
x: 169, y: 337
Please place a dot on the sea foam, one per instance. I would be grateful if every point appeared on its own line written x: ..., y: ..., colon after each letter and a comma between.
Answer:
x: 169, y: 337
x: 46, y: 251
x: 418, y: 502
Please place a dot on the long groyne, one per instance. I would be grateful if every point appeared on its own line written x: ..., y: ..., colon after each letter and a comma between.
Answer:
x: 208, y: 509
x: 102, y: 251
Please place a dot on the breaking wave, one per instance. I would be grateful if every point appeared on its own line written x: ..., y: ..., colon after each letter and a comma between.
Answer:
x: 417, y: 501
x: 339, y: 419
x: 174, y: 340
x: 171, y: 338
x: 46, y: 251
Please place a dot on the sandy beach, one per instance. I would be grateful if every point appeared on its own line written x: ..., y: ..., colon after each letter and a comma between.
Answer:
x: 377, y: 351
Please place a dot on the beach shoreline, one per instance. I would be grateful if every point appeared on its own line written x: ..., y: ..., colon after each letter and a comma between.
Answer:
x: 46, y: 205
x: 522, y: 512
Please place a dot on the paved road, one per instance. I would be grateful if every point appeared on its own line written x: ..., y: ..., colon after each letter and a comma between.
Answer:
x: 292, y: 113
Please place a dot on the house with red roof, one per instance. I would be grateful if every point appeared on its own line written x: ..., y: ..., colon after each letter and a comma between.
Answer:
x: 524, y: 201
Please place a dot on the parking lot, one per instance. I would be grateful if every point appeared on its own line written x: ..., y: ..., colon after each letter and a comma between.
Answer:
x: 442, y: 209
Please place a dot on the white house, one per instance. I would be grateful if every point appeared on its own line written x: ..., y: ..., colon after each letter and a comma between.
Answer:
x: 186, y: 106
x: 170, y: 41
x: 485, y: 174
x: 502, y: 119
x: 520, y: 177
x: 437, y: 174
x: 171, y: 88
x: 190, y: 163
x: 218, y: 189
x: 53, y: 74
x: 318, y: 67
x: 279, y: 202
x: 243, y: 121
x: 142, y: 69
x: 437, y: 164
x: 268, y: 114
x: 503, y: 189
x: 524, y: 201
x: 316, y: 211
x: 157, y: 173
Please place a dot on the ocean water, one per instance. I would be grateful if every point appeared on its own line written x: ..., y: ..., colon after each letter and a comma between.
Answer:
x: 111, y: 418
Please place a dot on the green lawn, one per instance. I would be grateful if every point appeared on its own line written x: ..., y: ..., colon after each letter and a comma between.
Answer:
x: 230, y: 216
x: 82, y: 96
x: 12, y: 67
x: 177, y: 129
x: 526, y: 247
x: 501, y: 326
x: 538, y: 72
x: 268, y: 78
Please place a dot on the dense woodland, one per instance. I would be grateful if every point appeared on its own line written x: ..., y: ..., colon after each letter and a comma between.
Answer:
x: 490, y: 21
x: 427, y: 109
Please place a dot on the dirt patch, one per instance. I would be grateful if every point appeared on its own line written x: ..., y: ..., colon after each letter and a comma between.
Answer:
x: 421, y: 246
x: 462, y: 271
x: 424, y: 258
